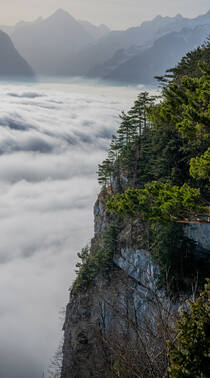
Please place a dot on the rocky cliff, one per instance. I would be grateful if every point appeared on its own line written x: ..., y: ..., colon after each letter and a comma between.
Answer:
x: 125, y: 310
x: 150, y: 251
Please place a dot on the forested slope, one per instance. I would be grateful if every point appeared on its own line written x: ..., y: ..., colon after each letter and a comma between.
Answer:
x: 141, y: 265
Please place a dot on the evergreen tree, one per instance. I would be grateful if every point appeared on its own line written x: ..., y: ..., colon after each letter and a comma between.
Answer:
x: 105, y: 172
x: 160, y: 202
x: 126, y: 132
x: 188, y: 65
x: 138, y: 113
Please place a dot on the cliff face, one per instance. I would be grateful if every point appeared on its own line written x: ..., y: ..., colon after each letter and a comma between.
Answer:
x: 94, y: 314
x: 142, y: 263
x: 109, y: 312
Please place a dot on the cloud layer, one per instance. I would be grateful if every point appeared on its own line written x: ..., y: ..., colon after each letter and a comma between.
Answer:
x: 51, y: 140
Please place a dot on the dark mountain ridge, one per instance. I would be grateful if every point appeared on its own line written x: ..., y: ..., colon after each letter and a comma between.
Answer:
x: 11, y: 62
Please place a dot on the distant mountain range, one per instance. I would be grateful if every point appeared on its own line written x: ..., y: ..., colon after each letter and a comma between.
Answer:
x: 62, y: 45
x: 127, y: 55
x: 95, y: 31
x: 11, y: 63
x: 48, y: 44
x: 154, y: 61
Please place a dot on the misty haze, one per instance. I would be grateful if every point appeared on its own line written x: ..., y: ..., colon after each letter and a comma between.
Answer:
x: 64, y: 81
x: 52, y: 138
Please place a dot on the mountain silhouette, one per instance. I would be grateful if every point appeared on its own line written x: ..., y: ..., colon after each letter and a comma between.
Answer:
x: 61, y: 45
x: 118, y: 46
x: 47, y: 44
x: 165, y: 52
x: 11, y: 62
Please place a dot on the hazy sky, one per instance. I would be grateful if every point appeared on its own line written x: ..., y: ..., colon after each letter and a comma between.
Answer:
x: 114, y: 13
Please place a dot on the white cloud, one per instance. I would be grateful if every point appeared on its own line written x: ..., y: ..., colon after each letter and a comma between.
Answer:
x: 51, y: 141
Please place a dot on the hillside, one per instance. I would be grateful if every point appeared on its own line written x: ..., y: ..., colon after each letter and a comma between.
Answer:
x: 11, y: 62
x: 151, y: 243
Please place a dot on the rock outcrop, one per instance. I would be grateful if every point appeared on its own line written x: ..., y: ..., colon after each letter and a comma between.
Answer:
x: 104, y: 309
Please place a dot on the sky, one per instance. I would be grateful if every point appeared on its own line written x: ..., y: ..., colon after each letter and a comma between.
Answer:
x: 117, y: 14
x: 51, y: 141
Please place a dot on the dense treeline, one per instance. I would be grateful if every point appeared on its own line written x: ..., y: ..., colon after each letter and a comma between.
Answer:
x: 161, y: 156
x: 158, y: 169
x: 160, y: 141
x: 157, y: 173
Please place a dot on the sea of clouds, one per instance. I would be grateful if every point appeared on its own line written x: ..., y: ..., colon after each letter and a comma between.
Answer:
x: 52, y: 138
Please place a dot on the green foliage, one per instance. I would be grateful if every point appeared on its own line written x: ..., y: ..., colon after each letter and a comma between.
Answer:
x: 162, y: 148
x: 138, y: 113
x: 96, y: 262
x: 105, y: 171
x: 190, y: 354
x: 191, y: 100
x: 188, y: 65
x: 127, y: 146
x: 185, y: 109
x: 158, y: 202
x: 200, y: 166
x: 163, y: 156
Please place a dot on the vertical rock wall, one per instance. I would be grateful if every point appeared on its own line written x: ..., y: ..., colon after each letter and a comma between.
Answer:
x: 108, y: 307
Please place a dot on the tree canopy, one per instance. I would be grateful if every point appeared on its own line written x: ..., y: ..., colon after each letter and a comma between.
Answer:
x: 158, y: 165
x: 164, y: 147
x: 159, y: 202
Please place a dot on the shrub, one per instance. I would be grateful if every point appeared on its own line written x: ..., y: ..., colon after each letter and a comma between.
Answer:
x: 190, y: 354
x: 96, y: 260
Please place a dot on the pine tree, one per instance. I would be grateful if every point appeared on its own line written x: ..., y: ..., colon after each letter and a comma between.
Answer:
x: 138, y: 113
x: 105, y: 172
